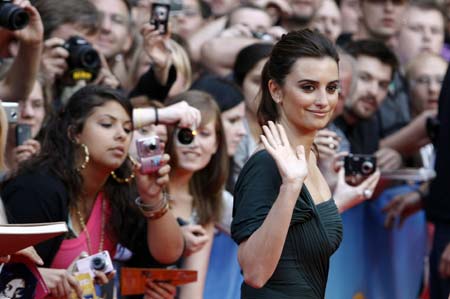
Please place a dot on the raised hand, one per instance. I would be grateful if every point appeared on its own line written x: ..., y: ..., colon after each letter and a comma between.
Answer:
x: 151, y: 185
x: 186, y: 116
x: 291, y: 163
x: 53, y: 62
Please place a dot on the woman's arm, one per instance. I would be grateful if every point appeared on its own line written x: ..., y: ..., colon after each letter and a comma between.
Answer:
x: 257, y: 255
x: 198, y: 261
x: 164, y: 237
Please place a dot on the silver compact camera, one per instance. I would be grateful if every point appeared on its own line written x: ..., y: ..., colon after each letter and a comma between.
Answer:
x: 150, y: 151
x: 96, y: 262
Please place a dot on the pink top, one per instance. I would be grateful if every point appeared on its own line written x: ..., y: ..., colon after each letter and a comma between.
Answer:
x: 70, y: 249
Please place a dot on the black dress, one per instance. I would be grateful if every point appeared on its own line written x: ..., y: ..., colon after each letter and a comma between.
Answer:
x: 313, y: 236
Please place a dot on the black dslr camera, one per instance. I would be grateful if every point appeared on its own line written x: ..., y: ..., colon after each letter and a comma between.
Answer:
x: 12, y: 17
x: 83, y: 61
x: 356, y: 164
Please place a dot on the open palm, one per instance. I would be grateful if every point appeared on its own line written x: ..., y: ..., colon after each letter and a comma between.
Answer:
x: 291, y: 163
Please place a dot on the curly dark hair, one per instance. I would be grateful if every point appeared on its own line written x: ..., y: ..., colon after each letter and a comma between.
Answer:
x: 59, y: 154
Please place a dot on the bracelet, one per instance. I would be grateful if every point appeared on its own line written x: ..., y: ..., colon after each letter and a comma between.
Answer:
x: 146, y: 208
x: 156, y: 116
x: 158, y: 214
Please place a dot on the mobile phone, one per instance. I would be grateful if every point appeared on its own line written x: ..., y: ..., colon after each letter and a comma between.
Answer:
x: 23, y: 133
x: 12, y: 111
x: 160, y: 17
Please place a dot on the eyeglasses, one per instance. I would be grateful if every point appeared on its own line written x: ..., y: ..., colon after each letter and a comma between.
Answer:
x: 426, y: 80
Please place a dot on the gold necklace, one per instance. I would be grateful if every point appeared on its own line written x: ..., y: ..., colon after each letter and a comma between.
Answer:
x: 102, y: 232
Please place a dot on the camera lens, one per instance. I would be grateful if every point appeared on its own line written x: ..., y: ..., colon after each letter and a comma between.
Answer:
x: 98, y: 263
x: 89, y: 58
x: 13, y: 17
x: 151, y: 146
x: 367, y: 167
x: 185, y: 136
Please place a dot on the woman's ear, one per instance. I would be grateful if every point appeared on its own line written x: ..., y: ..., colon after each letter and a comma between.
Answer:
x: 275, y: 91
x: 72, y: 135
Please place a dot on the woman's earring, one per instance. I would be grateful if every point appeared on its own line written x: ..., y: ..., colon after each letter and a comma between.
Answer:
x: 129, y: 178
x: 86, y: 157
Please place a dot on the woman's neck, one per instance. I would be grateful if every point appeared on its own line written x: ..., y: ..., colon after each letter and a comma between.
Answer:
x: 179, y: 181
x: 298, y: 137
x: 94, y: 178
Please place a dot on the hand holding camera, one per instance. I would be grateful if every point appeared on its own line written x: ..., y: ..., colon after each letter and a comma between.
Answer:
x: 349, y: 195
x: 157, y: 48
x: 150, y: 186
x: 181, y: 113
x: 100, y: 262
x: 24, y: 19
x: 358, y: 167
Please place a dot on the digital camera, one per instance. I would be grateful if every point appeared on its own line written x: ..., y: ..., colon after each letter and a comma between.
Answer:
x: 150, y: 151
x: 96, y: 262
x: 12, y: 17
x: 160, y: 16
x: 357, y: 164
x: 83, y: 61
x: 184, y: 136
x: 12, y: 111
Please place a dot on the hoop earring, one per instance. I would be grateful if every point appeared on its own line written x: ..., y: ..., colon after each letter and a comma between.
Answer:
x: 128, y: 179
x: 86, y: 157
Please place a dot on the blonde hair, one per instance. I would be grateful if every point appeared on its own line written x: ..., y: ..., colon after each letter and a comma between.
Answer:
x: 419, y: 59
x: 182, y: 63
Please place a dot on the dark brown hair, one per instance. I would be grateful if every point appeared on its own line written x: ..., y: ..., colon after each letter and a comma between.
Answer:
x: 206, y: 186
x: 291, y: 47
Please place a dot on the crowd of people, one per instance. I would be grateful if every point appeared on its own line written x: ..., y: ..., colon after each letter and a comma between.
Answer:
x: 251, y: 141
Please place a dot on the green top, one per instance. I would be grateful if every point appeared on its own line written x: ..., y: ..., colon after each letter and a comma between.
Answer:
x: 313, y: 236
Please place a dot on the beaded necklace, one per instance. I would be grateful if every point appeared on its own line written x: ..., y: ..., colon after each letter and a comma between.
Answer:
x: 102, y: 232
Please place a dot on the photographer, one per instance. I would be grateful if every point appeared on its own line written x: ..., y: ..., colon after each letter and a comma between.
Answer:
x: 19, y: 79
x: 90, y: 188
x: 23, y: 142
x: 70, y: 59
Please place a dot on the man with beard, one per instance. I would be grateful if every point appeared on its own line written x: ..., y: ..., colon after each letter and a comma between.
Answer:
x: 302, y: 13
x: 376, y: 65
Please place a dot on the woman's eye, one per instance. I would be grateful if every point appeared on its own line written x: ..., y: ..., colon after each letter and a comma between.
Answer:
x: 205, y: 133
x: 127, y: 130
x: 106, y: 125
x: 332, y: 88
x: 307, y: 88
